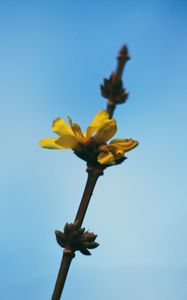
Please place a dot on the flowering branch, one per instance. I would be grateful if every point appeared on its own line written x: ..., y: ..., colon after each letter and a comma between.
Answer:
x: 92, y: 147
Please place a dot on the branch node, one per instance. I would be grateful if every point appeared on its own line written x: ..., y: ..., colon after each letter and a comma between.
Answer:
x: 75, y: 238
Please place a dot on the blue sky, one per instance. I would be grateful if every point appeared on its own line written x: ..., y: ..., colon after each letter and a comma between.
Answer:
x: 53, y: 57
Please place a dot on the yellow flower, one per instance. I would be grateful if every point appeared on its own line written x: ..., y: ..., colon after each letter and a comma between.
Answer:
x: 90, y: 145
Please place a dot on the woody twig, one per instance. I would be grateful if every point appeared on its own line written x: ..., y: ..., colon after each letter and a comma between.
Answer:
x: 92, y: 147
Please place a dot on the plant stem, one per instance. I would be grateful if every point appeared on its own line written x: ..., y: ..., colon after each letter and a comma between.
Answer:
x: 93, y: 175
x: 68, y: 255
x: 110, y: 108
x: 122, y: 58
x: 62, y: 274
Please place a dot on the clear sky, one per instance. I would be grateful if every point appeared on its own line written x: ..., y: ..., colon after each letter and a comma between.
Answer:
x: 53, y: 57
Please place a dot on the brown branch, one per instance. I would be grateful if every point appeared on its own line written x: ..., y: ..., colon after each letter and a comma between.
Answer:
x: 110, y: 108
x: 123, y: 57
x: 119, y: 96
x: 93, y: 175
x: 62, y: 274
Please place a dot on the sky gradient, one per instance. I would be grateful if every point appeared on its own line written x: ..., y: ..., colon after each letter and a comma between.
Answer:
x: 53, y: 57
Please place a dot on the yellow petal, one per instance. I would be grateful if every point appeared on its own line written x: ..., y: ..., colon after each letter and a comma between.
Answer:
x: 106, y: 158
x: 106, y: 131
x: 123, y: 144
x: 61, y: 127
x: 97, y: 122
x: 116, y: 151
x: 67, y: 142
x: 49, y: 143
x: 76, y: 130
